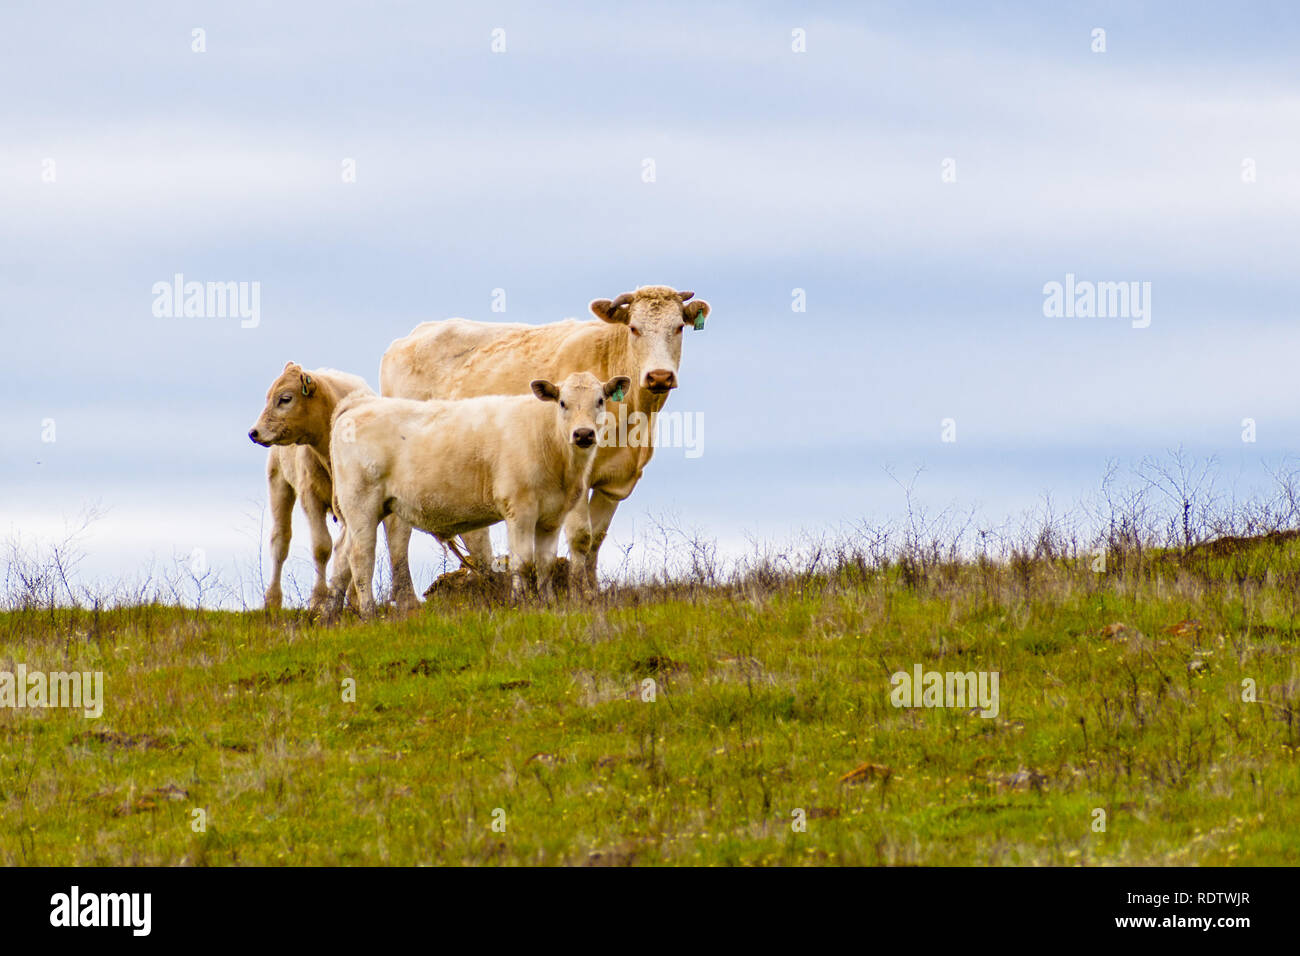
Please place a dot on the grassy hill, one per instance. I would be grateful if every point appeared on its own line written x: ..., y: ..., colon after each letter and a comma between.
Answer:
x: 1119, y: 691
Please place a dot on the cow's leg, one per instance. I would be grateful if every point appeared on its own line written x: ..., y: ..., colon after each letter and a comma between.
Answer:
x: 479, y: 545
x: 321, y: 546
x: 522, y: 529
x: 545, y: 543
x: 602, y: 513
x: 577, y: 531
x: 398, y: 534
x: 342, y: 577
x: 361, y: 557
x: 281, y: 496
x: 341, y: 582
x: 585, y: 529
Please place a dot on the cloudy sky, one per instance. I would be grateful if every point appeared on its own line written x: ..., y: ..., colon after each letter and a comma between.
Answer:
x: 920, y: 175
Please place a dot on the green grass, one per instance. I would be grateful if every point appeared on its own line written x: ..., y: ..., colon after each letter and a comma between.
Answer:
x: 765, y: 698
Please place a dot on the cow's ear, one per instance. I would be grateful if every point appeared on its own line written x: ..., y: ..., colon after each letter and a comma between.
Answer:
x: 308, y: 383
x: 616, y: 388
x: 545, y: 390
x: 605, y: 310
x: 693, y: 313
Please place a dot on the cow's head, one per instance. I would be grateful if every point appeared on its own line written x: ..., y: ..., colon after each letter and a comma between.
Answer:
x: 655, y: 316
x: 581, y: 399
x: 292, y: 415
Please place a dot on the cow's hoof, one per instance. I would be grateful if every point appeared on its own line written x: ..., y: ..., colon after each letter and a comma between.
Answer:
x: 273, y: 599
x: 331, y: 609
x: 406, y: 602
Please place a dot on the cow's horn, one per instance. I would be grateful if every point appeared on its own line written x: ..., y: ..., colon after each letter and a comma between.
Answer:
x: 685, y: 296
x: 622, y: 300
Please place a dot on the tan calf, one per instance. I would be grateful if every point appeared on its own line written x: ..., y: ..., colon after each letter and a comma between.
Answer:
x: 295, y: 425
x: 450, y: 467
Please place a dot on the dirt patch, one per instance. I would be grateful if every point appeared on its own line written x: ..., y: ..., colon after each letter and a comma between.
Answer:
x: 617, y: 856
x: 150, y: 801
x: 865, y: 773
x: 424, y: 667
x: 656, y: 664
x: 262, y: 681
x: 1021, y: 781
x: 1232, y: 544
x: 494, y: 586
x: 132, y: 742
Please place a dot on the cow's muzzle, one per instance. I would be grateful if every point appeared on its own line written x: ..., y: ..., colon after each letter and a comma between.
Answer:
x: 258, y: 438
x: 584, y: 437
x: 661, y: 380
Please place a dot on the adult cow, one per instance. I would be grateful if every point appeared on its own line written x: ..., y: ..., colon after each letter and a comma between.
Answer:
x: 639, y: 335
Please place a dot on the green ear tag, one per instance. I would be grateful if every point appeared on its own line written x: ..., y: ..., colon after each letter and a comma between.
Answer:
x: 699, y: 321
x: 617, y: 396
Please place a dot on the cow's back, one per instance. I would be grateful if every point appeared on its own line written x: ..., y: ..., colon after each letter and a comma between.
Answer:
x: 458, y: 358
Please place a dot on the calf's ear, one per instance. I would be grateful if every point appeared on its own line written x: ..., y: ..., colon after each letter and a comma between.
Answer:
x: 545, y: 390
x: 616, y: 388
x: 308, y: 383
x: 693, y: 314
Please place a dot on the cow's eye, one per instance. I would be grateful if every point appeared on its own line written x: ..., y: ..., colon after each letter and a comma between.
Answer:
x: 562, y: 405
x: 600, y: 403
x: 679, y: 329
x: 286, y: 399
x: 634, y: 330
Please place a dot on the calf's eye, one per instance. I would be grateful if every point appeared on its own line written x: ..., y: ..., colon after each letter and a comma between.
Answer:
x: 562, y: 405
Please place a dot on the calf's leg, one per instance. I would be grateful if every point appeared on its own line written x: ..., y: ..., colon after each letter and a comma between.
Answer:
x: 281, y: 497
x: 522, y: 529
x: 361, y: 558
x: 545, y: 542
x: 322, y: 545
x: 398, y: 534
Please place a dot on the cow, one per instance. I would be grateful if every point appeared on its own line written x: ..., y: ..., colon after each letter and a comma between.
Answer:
x: 639, y: 335
x: 450, y: 467
x: 295, y: 425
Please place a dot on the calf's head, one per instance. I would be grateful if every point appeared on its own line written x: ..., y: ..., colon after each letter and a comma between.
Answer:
x: 581, y: 399
x: 294, y: 415
x: 655, y: 317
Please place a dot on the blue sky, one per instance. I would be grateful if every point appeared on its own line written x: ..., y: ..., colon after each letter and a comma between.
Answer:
x: 775, y: 170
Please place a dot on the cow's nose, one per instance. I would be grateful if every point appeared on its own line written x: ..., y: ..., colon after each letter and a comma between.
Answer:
x: 661, y: 380
x: 252, y: 433
x: 584, y: 437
